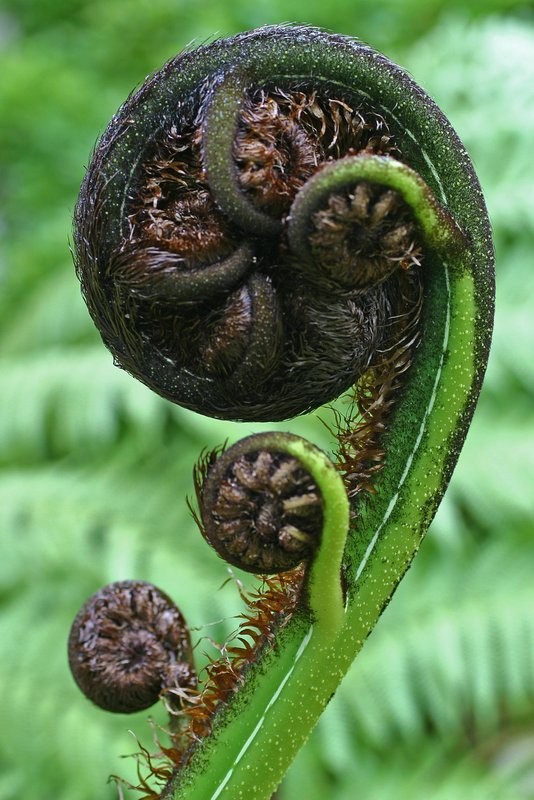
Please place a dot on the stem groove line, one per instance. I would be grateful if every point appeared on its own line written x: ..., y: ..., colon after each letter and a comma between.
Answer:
x: 420, y: 435
x: 271, y: 702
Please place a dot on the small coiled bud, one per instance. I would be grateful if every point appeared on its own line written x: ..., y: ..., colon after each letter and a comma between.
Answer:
x: 127, y: 644
x: 259, y: 508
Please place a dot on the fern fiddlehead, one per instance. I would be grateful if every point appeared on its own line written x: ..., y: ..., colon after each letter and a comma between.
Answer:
x: 128, y: 643
x: 268, y: 221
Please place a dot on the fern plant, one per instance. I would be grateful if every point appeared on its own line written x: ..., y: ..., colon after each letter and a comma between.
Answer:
x: 53, y: 555
x: 249, y: 238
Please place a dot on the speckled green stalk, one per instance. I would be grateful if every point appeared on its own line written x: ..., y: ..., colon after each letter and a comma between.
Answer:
x: 438, y: 229
x: 256, y: 736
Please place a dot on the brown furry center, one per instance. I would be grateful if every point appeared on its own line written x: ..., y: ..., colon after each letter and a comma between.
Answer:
x: 172, y: 206
x: 282, y: 139
x: 284, y: 333
x: 128, y: 643
x: 361, y: 237
x: 266, y: 514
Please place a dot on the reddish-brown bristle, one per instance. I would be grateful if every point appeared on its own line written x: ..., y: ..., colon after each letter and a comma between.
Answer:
x: 359, y: 457
x: 284, y: 137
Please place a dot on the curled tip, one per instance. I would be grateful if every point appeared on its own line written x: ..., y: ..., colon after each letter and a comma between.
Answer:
x: 222, y: 109
x: 260, y: 508
x: 128, y: 643
x: 151, y: 273
x: 363, y: 216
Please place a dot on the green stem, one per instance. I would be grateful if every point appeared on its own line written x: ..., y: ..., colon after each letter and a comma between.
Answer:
x: 171, y: 278
x: 222, y: 110
x: 325, y: 596
x: 438, y: 228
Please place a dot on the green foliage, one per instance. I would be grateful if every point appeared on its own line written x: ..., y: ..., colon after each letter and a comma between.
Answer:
x: 94, y: 468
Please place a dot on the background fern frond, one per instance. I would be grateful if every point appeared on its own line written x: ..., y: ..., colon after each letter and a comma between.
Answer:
x: 463, y: 663
x: 60, y: 401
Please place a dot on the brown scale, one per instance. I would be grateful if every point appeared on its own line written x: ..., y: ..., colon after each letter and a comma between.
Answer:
x: 172, y: 205
x: 223, y: 345
x: 359, y: 453
x: 190, y: 226
x: 275, y: 154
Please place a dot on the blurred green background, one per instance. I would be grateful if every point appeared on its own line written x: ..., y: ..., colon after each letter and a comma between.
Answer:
x: 94, y: 469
